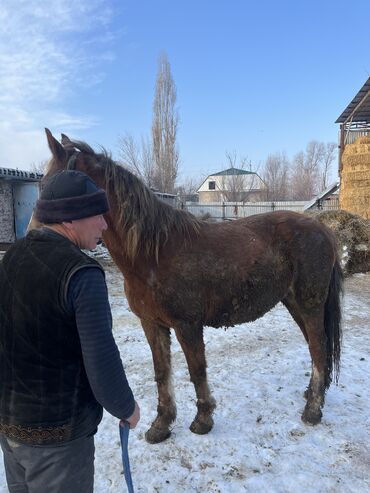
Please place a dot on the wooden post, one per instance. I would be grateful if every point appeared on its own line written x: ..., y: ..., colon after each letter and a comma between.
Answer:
x: 341, y: 149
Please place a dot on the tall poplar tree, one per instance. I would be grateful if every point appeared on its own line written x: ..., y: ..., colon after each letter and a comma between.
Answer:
x: 164, y: 129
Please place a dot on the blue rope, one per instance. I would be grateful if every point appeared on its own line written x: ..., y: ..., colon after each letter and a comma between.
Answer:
x: 124, y: 430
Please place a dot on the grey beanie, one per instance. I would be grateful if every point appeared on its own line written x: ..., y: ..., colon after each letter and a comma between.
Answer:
x: 70, y: 195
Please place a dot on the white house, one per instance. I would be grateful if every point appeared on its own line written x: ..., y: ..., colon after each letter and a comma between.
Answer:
x: 232, y: 185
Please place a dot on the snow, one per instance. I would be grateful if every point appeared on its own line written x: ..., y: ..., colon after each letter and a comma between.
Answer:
x: 257, y: 373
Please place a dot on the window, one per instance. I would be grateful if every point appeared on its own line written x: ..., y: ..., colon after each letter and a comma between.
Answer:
x: 211, y: 185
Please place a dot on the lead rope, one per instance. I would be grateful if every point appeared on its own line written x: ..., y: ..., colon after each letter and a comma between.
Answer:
x: 124, y: 430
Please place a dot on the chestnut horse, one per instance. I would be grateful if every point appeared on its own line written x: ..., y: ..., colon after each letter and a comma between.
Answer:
x: 184, y: 273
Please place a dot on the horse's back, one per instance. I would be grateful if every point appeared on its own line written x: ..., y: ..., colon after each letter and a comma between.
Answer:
x: 232, y: 272
x: 280, y: 231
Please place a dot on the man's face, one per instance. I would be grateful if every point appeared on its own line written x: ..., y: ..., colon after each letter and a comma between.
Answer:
x: 88, y: 231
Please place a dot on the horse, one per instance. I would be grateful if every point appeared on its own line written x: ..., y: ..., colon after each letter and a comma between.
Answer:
x: 183, y: 273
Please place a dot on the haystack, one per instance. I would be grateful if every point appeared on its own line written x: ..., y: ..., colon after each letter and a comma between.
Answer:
x: 354, y: 193
x: 353, y: 238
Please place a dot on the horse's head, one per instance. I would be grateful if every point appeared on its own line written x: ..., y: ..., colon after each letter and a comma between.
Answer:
x: 73, y: 154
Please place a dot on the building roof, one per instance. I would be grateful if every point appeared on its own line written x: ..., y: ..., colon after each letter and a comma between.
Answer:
x: 323, y: 195
x: 17, y: 174
x: 233, y: 171
x: 248, y: 178
x: 358, y: 109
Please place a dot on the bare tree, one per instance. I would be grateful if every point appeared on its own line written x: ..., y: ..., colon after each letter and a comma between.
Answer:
x: 305, y: 173
x: 303, y: 180
x: 137, y: 158
x: 235, y: 186
x: 310, y: 170
x: 275, y: 175
x: 164, y: 129
x: 129, y: 153
x: 330, y: 154
x: 39, y: 167
x: 187, y: 188
x: 147, y: 161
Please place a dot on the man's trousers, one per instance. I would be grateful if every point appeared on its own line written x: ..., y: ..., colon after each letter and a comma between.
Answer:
x: 64, y: 468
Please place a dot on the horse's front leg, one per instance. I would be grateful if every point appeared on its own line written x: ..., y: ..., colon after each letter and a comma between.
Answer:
x: 159, y: 339
x: 191, y: 341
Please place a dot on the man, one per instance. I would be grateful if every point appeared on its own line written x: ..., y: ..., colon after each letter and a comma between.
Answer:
x: 59, y: 363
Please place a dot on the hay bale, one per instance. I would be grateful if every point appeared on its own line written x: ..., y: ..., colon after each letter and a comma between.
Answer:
x: 354, y: 193
x: 353, y: 238
x: 365, y: 139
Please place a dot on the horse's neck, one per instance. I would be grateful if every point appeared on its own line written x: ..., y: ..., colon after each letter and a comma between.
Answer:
x: 116, y: 238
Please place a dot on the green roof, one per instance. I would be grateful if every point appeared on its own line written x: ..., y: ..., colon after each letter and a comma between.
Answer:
x: 233, y: 171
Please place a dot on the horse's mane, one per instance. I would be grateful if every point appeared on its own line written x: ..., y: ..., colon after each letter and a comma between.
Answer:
x: 145, y: 223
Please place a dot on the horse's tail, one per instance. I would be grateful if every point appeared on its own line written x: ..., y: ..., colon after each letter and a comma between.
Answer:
x: 332, y: 323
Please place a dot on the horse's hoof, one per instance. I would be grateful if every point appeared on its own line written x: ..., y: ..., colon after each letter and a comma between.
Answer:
x: 154, y: 435
x: 201, y: 427
x: 311, y: 418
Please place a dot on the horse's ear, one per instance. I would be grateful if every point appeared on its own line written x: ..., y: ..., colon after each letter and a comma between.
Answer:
x: 66, y: 141
x: 56, y: 148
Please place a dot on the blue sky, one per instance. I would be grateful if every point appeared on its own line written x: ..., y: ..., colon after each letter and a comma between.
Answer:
x: 257, y: 77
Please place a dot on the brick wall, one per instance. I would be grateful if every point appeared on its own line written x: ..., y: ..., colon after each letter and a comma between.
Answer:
x: 7, y: 234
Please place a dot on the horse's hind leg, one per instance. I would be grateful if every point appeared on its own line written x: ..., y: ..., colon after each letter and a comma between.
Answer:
x: 315, y: 394
x: 192, y: 343
x: 311, y: 322
x: 159, y: 339
x: 293, y: 309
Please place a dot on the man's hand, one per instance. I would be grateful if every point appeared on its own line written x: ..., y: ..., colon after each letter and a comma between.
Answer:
x: 135, y: 417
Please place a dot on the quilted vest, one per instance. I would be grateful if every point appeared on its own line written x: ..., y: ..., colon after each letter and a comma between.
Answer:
x: 45, y: 396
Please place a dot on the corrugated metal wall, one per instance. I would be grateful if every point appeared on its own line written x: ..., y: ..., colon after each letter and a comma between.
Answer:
x: 24, y: 200
x: 17, y: 200
x: 7, y: 230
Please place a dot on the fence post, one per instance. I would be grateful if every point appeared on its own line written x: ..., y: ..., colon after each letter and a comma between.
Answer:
x: 223, y: 211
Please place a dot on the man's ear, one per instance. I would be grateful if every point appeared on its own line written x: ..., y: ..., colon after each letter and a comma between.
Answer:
x: 57, y: 150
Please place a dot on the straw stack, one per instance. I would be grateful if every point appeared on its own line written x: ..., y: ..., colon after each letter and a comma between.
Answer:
x: 355, y: 178
x: 352, y: 233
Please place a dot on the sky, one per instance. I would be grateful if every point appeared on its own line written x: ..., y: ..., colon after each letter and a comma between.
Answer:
x: 252, y: 77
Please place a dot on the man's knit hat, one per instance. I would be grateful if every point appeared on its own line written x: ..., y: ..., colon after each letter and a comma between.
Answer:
x: 70, y: 195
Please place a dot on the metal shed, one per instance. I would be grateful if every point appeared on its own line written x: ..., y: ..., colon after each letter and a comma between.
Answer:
x: 355, y: 119
x: 19, y: 191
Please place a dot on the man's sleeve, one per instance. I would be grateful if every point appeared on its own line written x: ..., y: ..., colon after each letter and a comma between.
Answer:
x: 88, y: 297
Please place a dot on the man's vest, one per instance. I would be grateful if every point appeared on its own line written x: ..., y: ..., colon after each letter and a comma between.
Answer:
x: 45, y: 396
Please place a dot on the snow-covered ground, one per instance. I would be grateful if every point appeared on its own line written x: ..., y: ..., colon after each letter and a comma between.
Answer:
x: 258, y: 373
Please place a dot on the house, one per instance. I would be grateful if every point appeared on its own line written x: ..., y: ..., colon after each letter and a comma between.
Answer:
x: 232, y: 185
x: 19, y: 191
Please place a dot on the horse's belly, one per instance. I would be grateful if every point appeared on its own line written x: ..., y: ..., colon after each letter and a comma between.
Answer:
x: 223, y: 294
x: 239, y: 313
x: 245, y: 303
